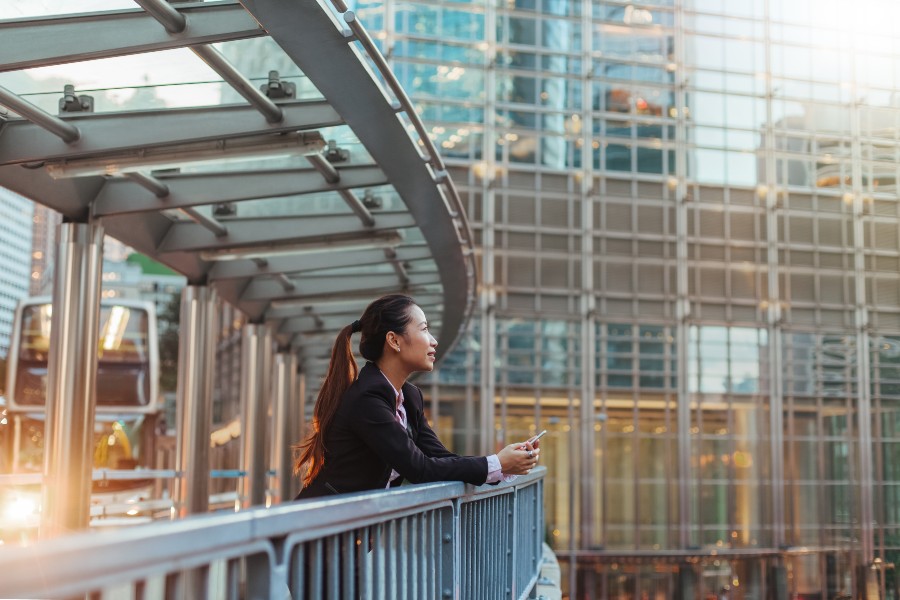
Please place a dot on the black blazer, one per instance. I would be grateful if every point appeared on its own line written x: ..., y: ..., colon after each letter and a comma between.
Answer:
x: 365, y: 441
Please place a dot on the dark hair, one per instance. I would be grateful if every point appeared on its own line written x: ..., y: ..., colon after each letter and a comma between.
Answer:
x: 388, y: 313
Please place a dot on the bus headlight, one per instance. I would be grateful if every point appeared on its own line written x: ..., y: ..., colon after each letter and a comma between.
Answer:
x: 20, y: 511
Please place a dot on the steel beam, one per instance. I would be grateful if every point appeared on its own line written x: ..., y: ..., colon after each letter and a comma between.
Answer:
x: 120, y: 196
x: 241, y: 269
x: 111, y: 134
x: 208, y: 223
x: 268, y: 289
x: 149, y: 183
x: 218, y: 63
x: 172, y: 20
x: 357, y: 207
x: 188, y: 237
x: 66, y: 132
x: 32, y: 43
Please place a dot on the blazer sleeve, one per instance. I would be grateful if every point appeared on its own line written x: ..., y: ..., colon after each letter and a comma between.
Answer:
x: 376, y: 424
x: 426, y: 438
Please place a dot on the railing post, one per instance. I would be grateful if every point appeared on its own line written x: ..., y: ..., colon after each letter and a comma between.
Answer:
x: 515, y: 554
x: 71, y: 383
x: 451, y: 551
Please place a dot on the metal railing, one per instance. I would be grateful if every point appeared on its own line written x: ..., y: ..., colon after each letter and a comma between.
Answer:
x: 431, y: 541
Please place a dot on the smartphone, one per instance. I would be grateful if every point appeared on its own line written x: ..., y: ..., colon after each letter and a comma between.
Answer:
x: 536, y: 438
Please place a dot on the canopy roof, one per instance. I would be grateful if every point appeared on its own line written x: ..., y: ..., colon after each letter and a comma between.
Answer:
x: 250, y: 145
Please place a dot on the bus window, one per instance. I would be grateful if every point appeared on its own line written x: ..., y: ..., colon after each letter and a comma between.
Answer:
x: 123, y: 360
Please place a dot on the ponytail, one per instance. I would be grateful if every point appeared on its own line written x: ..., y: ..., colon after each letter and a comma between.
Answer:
x: 342, y: 371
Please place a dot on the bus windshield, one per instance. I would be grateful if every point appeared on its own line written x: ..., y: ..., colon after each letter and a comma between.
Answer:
x: 123, y: 373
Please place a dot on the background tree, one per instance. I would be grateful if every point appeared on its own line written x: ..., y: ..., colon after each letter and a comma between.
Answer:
x: 168, y: 320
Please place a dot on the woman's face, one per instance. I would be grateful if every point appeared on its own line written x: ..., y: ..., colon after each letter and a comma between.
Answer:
x: 417, y: 345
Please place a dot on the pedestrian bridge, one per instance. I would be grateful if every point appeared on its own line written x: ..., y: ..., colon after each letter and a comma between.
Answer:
x: 429, y: 541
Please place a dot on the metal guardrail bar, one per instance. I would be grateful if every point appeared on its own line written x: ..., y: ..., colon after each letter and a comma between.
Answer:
x: 10, y: 479
x: 440, y: 540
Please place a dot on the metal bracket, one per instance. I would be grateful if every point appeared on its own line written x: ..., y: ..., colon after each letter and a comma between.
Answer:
x: 335, y: 154
x: 70, y: 102
x: 277, y: 89
x: 371, y: 201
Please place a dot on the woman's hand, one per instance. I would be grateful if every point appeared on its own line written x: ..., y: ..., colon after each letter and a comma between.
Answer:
x: 518, y: 458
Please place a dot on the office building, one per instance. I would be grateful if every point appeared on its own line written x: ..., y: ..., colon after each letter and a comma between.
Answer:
x: 690, y: 265
x: 15, y: 257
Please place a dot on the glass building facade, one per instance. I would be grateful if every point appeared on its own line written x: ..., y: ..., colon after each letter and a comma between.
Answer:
x: 688, y: 222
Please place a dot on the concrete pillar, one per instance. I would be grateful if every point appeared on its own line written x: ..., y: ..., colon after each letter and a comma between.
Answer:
x: 256, y: 360
x: 196, y: 365
x: 72, y: 379
x: 285, y: 423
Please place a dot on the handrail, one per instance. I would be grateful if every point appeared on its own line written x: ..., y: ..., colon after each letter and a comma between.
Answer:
x: 439, y: 540
x: 122, y: 475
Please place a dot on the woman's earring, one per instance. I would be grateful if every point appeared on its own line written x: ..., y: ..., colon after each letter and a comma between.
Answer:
x: 397, y: 348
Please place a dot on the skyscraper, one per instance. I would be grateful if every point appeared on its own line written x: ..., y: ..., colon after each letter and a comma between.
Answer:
x: 690, y: 265
x: 43, y: 249
x: 15, y: 257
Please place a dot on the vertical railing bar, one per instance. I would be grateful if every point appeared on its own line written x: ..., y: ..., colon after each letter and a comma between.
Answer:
x: 140, y: 589
x: 333, y: 567
x: 296, y: 576
x: 173, y: 585
x: 432, y: 557
x: 316, y: 583
x: 232, y: 578
x: 395, y: 559
x: 362, y: 553
x: 465, y: 576
x: 423, y: 553
x: 378, y: 573
x: 347, y: 564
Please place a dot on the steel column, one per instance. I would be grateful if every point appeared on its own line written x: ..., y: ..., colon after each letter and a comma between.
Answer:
x: 863, y: 358
x: 285, y: 423
x: 687, y: 510
x: 256, y: 358
x: 774, y: 317
x: 72, y: 377
x: 196, y: 365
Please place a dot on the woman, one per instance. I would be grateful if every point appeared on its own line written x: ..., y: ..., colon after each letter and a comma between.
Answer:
x: 370, y: 431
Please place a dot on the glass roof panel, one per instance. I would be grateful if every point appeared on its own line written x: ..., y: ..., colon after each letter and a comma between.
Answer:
x: 169, y: 78
x: 326, y: 203
x: 256, y: 57
x: 15, y: 9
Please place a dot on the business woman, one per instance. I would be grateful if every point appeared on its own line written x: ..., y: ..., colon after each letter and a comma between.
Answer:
x: 369, y: 429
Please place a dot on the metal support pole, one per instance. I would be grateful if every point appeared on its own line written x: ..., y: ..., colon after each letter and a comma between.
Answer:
x: 256, y: 358
x: 218, y: 63
x: 285, y: 423
x: 71, y: 379
x: 61, y: 129
x: 196, y: 362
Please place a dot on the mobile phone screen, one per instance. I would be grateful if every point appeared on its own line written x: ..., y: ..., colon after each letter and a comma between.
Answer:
x: 537, y: 437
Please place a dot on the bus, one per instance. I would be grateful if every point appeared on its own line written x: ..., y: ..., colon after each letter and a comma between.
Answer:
x: 127, y: 407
